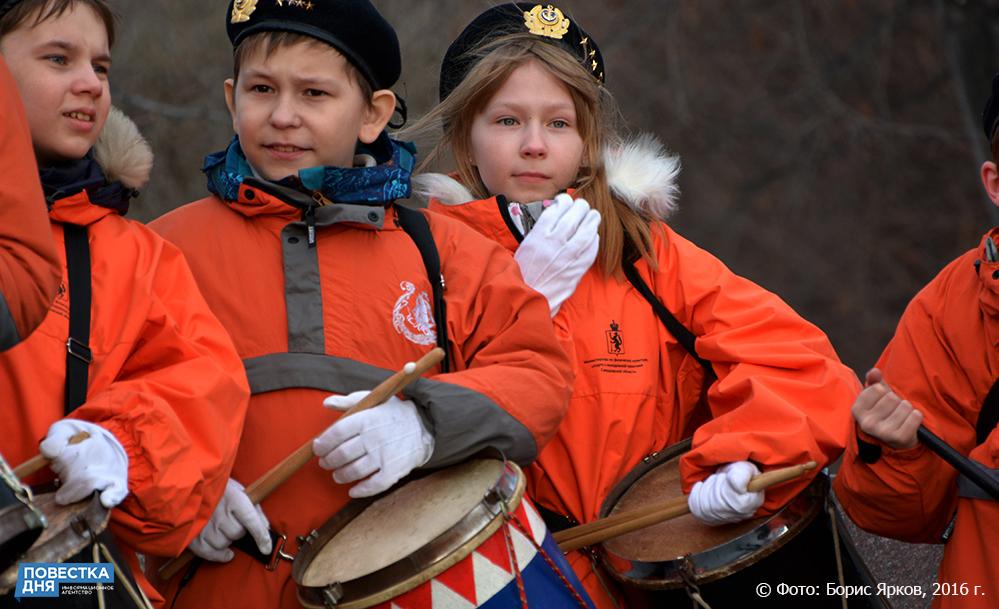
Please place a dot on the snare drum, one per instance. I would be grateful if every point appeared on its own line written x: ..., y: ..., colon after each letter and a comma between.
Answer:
x: 464, y: 535
x: 70, y: 529
x: 20, y: 521
x: 669, y: 554
x: 725, y: 564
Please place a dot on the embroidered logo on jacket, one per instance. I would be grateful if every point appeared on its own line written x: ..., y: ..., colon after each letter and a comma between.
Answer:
x: 414, y: 317
x: 615, y: 339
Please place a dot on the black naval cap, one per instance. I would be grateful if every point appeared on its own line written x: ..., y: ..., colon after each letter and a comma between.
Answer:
x: 6, y: 5
x: 990, y: 116
x: 546, y: 21
x: 353, y: 27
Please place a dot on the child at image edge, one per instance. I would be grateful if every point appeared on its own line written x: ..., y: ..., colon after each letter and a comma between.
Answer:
x: 940, y: 370
x: 149, y: 374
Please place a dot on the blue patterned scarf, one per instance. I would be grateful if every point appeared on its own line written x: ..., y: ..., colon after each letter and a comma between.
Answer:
x: 377, y: 185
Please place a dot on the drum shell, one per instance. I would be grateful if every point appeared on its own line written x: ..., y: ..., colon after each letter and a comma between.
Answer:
x: 71, y: 528
x: 430, y: 560
x: 21, y: 523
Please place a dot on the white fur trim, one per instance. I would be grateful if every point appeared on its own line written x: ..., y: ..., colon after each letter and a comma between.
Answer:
x: 444, y: 188
x: 642, y: 173
x: 122, y: 152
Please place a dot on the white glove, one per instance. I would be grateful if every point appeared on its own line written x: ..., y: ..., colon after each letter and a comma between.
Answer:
x: 561, y: 247
x: 385, y: 442
x: 98, y: 463
x: 234, y: 516
x: 722, y: 497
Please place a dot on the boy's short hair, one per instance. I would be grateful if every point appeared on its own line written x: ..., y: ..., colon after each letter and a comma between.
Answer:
x: 15, y: 13
x: 269, y: 42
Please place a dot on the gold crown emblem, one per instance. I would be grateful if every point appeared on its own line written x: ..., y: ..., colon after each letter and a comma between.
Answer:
x: 546, y: 21
x: 241, y: 10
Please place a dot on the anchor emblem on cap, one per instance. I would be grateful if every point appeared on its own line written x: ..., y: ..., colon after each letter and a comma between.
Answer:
x: 546, y: 21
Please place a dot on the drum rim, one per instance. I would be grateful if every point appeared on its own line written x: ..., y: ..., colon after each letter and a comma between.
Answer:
x: 772, y: 533
x: 75, y: 533
x: 441, y: 553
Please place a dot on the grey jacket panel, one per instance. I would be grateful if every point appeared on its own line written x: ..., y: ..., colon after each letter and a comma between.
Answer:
x: 462, y: 421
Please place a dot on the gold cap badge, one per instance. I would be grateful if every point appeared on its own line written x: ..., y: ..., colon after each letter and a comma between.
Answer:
x: 241, y: 10
x: 546, y: 21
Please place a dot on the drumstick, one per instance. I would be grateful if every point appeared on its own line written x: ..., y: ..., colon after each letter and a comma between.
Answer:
x: 37, y: 462
x: 972, y: 469
x: 632, y: 520
x: 277, y: 475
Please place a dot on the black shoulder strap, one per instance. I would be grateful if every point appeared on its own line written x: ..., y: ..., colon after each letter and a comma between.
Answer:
x: 78, y: 354
x: 988, y: 416
x: 684, y: 336
x: 418, y: 228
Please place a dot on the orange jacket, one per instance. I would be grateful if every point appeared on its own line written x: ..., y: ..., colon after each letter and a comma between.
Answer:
x: 349, y: 312
x: 29, y: 269
x: 942, y: 359
x: 165, y: 379
x: 782, y: 396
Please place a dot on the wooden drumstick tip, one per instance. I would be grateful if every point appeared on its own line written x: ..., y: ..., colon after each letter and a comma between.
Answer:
x: 409, y: 368
x: 37, y: 462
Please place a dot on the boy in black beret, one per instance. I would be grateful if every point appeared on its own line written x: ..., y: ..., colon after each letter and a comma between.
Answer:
x: 328, y: 287
x: 939, y: 370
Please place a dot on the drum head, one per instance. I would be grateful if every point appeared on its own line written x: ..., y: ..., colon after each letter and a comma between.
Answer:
x: 659, y: 556
x: 375, y: 550
x: 673, y: 538
x: 70, y: 529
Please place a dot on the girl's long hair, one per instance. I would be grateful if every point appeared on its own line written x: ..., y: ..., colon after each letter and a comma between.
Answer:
x: 625, y: 233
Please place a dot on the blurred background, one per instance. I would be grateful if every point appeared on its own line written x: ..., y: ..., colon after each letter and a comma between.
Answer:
x: 830, y: 148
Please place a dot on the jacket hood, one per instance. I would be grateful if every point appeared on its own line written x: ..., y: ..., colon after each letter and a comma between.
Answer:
x: 640, y: 171
x: 122, y: 152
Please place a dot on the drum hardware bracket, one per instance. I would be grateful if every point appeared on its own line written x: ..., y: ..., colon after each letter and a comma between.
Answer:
x: 649, y: 457
x: 307, y: 539
x: 278, y: 554
x: 82, y: 528
x: 332, y: 595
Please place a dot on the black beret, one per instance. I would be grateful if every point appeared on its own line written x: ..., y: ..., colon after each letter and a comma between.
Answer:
x: 548, y: 22
x: 353, y: 27
x: 6, y: 5
x: 990, y: 116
